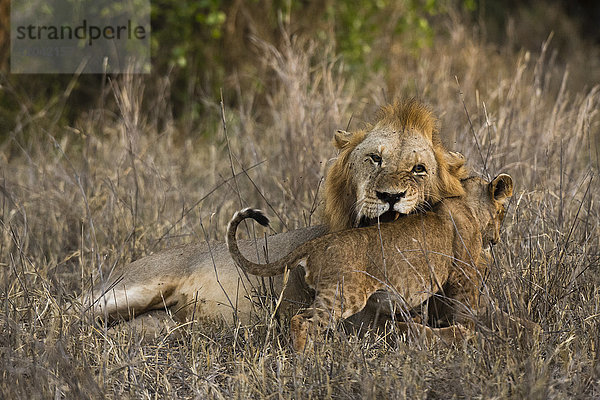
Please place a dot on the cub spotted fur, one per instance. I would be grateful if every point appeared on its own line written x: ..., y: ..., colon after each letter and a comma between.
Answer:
x: 414, y: 257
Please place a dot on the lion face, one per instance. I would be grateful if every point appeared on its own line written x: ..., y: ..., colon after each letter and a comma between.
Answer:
x: 393, y: 167
x: 489, y: 202
x: 392, y: 175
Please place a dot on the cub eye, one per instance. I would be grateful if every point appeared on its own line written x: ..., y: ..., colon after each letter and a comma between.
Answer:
x: 376, y: 158
x: 419, y: 169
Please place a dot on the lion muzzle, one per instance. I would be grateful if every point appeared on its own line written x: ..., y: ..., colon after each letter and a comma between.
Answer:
x: 390, y: 198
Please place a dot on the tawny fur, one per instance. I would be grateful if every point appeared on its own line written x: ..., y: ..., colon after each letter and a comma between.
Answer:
x: 201, y: 280
x: 414, y: 257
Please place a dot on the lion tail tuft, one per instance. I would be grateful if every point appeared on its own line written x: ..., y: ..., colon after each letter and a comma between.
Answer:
x: 270, y: 269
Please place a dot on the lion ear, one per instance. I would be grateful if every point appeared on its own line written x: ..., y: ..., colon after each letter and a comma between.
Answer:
x: 501, y: 187
x: 341, y: 138
x: 456, y: 164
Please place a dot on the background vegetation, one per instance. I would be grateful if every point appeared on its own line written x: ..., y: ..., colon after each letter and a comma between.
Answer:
x: 98, y: 171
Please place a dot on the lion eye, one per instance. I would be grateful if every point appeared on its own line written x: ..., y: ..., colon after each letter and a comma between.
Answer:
x: 376, y: 158
x: 419, y: 169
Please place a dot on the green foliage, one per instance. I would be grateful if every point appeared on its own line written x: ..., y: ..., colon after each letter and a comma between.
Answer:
x: 189, y: 39
x: 359, y: 25
x: 204, y: 47
x: 185, y: 30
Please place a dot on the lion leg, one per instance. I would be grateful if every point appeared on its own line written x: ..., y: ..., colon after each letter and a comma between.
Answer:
x: 456, y: 306
x: 315, y: 319
x: 123, y: 302
x: 454, y: 334
x: 460, y: 298
x: 299, y: 325
x: 327, y: 308
x: 493, y: 317
x: 150, y: 326
x: 465, y: 303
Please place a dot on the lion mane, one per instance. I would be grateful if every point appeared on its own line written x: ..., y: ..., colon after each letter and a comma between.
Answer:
x: 394, y: 122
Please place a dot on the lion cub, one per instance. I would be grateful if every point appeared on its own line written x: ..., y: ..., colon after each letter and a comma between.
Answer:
x: 415, y: 256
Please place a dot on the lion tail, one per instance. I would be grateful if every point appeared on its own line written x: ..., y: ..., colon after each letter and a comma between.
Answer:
x: 270, y: 269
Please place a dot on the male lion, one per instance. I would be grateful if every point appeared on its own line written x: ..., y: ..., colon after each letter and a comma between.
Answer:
x: 390, y: 168
x: 395, y: 165
x: 416, y: 257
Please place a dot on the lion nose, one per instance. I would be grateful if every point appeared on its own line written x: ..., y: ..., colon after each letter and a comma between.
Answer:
x: 390, y: 198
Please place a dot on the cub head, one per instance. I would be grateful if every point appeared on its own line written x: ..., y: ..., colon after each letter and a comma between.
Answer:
x: 390, y: 168
x: 488, y: 201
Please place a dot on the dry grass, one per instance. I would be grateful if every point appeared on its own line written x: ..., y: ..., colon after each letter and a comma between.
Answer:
x: 77, y: 200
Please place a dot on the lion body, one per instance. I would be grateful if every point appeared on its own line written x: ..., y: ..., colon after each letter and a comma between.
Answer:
x: 198, y: 279
x: 202, y: 279
x: 437, y: 251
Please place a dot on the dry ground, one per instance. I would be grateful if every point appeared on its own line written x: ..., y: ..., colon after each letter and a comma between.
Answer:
x: 116, y: 186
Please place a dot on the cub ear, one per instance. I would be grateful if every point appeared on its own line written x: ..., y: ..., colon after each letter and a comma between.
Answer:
x: 501, y: 187
x: 341, y: 138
